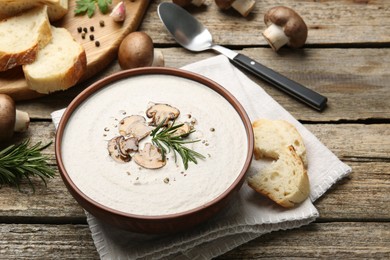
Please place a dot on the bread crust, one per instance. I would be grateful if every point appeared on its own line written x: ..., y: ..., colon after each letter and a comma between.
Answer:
x: 285, y: 181
x: 46, y: 82
x: 9, y: 60
x: 273, y: 135
x: 56, y: 8
x: 297, y: 178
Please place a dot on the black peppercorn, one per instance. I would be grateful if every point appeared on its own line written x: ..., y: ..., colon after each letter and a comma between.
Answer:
x: 83, y: 35
x: 101, y: 23
x: 91, y: 37
x: 85, y: 29
x: 92, y: 28
x: 97, y: 43
x: 79, y: 29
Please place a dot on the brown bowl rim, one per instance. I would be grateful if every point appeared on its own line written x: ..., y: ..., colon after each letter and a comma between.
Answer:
x: 80, y: 98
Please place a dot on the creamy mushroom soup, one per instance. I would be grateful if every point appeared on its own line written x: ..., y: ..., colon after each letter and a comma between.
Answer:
x: 129, y: 188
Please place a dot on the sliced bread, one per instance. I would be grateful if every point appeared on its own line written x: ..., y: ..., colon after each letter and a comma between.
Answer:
x: 273, y: 135
x: 285, y: 181
x: 22, y: 36
x: 58, y: 66
x: 56, y: 8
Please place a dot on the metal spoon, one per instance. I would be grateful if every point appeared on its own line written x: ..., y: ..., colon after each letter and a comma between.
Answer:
x: 192, y: 35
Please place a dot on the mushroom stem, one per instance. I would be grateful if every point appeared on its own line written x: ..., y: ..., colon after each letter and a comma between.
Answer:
x: 275, y: 36
x: 244, y: 7
x: 22, y: 121
x: 158, y: 59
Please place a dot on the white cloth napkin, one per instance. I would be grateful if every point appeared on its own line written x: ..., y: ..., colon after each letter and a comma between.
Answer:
x: 249, y: 215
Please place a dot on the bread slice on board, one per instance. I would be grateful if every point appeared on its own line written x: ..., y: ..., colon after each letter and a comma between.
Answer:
x: 58, y: 66
x: 285, y: 181
x: 273, y: 135
x: 22, y: 36
x: 56, y: 8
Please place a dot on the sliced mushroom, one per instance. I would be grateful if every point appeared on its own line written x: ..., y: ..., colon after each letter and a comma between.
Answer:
x: 128, y: 145
x: 162, y: 114
x: 149, y: 157
x: 134, y: 126
x: 115, y: 152
x: 183, y: 130
x: 284, y: 26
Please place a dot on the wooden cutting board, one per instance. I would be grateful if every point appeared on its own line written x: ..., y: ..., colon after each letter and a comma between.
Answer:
x: 110, y: 35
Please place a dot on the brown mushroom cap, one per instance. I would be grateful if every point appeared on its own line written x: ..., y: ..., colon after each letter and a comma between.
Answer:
x: 136, y: 50
x: 7, y: 117
x: 161, y: 112
x: 293, y: 25
x: 149, y: 157
x: 224, y: 4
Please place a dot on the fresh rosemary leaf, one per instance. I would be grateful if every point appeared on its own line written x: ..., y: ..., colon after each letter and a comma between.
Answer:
x: 166, y: 140
x: 21, y: 161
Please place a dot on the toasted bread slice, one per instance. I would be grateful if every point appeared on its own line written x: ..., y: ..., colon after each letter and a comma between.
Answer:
x: 58, y: 66
x: 285, y: 181
x: 273, y: 135
x: 22, y: 36
x: 56, y: 8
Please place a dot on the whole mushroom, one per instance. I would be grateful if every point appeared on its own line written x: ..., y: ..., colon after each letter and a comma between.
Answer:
x: 184, y: 3
x: 11, y: 119
x: 244, y: 7
x: 136, y: 50
x: 285, y: 26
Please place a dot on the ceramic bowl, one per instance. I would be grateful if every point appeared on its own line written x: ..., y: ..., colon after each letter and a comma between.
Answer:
x: 171, y: 198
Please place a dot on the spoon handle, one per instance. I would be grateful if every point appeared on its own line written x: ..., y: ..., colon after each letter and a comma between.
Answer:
x: 287, y: 85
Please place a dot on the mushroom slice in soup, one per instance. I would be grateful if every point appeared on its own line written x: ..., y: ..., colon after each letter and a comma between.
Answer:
x: 149, y: 157
x: 115, y: 152
x: 134, y: 126
x: 162, y: 114
x: 128, y: 145
x: 183, y: 130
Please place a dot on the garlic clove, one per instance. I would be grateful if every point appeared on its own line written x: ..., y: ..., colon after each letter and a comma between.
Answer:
x: 118, y: 14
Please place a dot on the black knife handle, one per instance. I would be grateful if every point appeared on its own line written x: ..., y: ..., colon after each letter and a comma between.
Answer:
x: 302, y: 93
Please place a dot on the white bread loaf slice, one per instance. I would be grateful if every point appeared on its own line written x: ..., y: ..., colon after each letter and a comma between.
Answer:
x: 22, y: 36
x: 273, y: 135
x: 285, y: 181
x: 56, y: 9
x: 58, y: 66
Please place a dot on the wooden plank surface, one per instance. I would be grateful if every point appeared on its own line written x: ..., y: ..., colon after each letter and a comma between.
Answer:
x: 330, y: 22
x: 365, y: 79
x: 346, y: 58
x: 318, y: 240
x: 110, y: 36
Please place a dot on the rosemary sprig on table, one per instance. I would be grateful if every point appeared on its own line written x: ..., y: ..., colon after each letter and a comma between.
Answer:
x: 21, y: 161
x: 166, y: 140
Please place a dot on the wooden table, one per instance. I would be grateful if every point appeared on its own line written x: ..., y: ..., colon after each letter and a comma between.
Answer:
x: 346, y: 58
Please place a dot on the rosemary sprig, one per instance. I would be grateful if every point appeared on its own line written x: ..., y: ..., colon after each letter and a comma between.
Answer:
x: 22, y: 161
x: 165, y: 139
